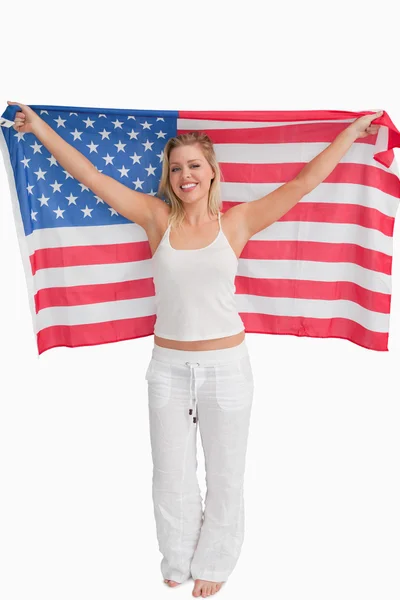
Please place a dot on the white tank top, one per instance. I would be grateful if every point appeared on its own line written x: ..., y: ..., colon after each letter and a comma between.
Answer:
x: 195, y: 290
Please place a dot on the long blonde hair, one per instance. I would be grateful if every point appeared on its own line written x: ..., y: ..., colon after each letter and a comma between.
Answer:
x: 165, y: 190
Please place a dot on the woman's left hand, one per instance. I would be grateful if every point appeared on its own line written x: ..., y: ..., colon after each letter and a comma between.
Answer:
x: 362, y: 127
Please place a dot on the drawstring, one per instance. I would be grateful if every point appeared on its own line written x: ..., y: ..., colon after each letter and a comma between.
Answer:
x: 194, y: 399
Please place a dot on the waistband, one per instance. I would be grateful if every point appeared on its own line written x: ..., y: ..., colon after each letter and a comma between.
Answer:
x: 203, y: 357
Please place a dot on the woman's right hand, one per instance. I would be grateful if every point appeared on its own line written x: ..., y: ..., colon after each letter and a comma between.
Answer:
x: 24, y: 119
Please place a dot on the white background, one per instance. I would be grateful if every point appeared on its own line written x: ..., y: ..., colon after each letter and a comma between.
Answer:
x: 322, y: 491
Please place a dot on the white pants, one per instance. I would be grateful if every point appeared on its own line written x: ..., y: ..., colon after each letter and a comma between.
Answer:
x: 212, y: 389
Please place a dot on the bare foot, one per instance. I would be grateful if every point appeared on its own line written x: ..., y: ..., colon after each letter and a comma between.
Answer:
x: 205, y: 588
x: 171, y: 583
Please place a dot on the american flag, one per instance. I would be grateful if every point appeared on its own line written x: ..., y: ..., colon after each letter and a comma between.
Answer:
x: 323, y: 270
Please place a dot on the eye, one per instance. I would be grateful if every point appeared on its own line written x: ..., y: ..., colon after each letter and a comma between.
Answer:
x: 173, y: 170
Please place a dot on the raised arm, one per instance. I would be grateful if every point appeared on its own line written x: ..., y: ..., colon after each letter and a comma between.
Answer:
x: 135, y: 206
x: 259, y: 214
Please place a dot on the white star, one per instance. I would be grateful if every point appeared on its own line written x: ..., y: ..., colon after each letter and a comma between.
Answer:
x: 132, y: 117
x: 67, y: 175
x: 56, y: 186
x: 86, y: 211
x: 99, y: 200
x: 33, y: 215
x: 160, y: 119
x: 148, y: 169
x: 60, y: 122
x: 83, y: 187
x: 104, y: 134
x: 44, y: 111
x: 76, y: 114
x: 138, y: 183
x: 109, y: 159
x: 77, y: 134
x: 52, y: 160
x: 146, y: 125
x: 135, y: 158
x: 20, y: 136
x: 120, y: 146
x: 43, y: 200
x: 71, y: 199
x: 88, y: 122
x: 123, y: 171
x: 36, y: 148
x: 161, y: 134
x: 147, y: 145
x: 133, y: 134
x: 161, y: 156
x: 103, y: 116
x: 117, y: 124
x: 113, y: 212
x: 152, y: 193
x: 59, y: 212
x: 25, y: 162
x: 30, y: 188
x: 40, y: 174
x: 92, y: 146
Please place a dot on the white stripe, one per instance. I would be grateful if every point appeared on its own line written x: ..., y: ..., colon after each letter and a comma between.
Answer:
x: 323, y: 309
x: 96, y: 313
x: 143, y: 307
x: 257, y: 268
x: 341, y: 233
x: 305, y: 231
x: 315, y: 271
x: 22, y: 242
x: 196, y: 124
x: 93, y: 274
x: 331, y: 193
x: 278, y: 154
x: 56, y: 237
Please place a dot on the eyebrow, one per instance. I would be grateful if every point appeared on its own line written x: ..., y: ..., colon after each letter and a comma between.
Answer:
x: 191, y: 160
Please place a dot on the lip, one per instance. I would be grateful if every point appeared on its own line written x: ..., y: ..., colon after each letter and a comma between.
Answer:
x: 189, y: 183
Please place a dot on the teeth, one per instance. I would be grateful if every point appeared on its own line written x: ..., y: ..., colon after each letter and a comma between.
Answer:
x: 188, y: 186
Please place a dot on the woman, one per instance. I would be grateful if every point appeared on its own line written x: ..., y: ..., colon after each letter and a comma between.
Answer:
x: 199, y: 373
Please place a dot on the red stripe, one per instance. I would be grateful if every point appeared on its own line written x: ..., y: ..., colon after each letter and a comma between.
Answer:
x: 326, y: 212
x: 93, y: 294
x: 127, y: 329
x: 93, y: 334
x: 363, y: 175
x: 321, y: 212
x: 318, y: 252
x: 291, y: 133
x: 270, y: 116
x: 262, y: 249
x: 275, y: 288
x: 104, y: 254
x: 317, y: 328
x: 315, y: 290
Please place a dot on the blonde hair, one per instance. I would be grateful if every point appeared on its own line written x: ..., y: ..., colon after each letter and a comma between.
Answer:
x: 177, y: 214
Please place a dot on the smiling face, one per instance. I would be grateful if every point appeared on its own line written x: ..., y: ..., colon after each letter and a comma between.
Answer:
x: 188, y: 165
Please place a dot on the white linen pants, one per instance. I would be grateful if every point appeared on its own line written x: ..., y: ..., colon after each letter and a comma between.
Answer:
x: 212, y: 389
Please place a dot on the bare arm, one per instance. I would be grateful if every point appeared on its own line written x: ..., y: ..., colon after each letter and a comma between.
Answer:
x: 136, y: 206
x: 320, y: 167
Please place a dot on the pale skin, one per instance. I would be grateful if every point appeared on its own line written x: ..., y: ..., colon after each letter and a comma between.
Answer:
x: 188, y: 164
